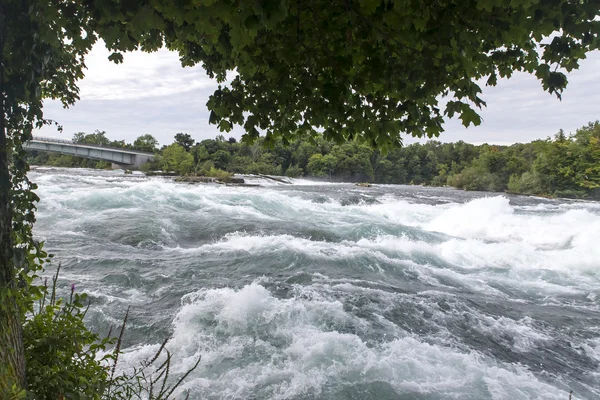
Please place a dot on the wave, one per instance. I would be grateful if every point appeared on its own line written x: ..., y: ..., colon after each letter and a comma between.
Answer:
x: 494, y: 219
x: 255, y: 345
x: 333, y: 291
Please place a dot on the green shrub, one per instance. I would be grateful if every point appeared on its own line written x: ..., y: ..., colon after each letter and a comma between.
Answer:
x: 571, y: 193
x: 527, y: 183
x: 218, y: 173
x: 62, y: 355
x: 439, y: 180
x: 473, y: 178
x: 65, y: 360
x: 102, y: 165
x: 294, y: 171
x: 61, y: 161
x: 264, y: 168
x: 153, y: 165
x: 203, y: 168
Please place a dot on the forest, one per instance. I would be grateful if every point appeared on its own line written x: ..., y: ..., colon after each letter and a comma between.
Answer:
x: 565, y: 165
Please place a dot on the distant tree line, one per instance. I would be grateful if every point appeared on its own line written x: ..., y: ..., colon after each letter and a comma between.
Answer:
x: 565, y: 165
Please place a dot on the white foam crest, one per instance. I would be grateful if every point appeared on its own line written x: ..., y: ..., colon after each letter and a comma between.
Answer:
x: 562, y: 205
x: 310, y: 182
x: 251, y: 341
x: 514, y: 264
x: 466, y: 253
x: 265, y: 180
x: 493, y: 219
x: 592, y: 349
x: 475, y: 264
x: 76, y: 193
x: 276, y: 180
x: 84, y: 193
x: 398, y: 211
x: 525, y: 337
x: 315, y: 249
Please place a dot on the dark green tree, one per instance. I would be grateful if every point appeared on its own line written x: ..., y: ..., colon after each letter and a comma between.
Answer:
x: 146, y: 142
x: 221, y: 159
x: 97, y: 138
x: 184, y: 140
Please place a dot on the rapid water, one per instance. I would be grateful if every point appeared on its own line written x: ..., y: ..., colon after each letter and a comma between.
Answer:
x: 332, y: 291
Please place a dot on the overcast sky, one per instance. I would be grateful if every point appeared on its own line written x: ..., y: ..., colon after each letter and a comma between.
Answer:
x: 152, y: 93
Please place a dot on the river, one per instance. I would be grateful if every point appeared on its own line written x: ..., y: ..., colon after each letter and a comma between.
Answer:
x: 333, y: 291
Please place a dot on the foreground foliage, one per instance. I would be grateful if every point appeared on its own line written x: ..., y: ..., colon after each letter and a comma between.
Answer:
x: 66, y: 360
x: 58, y: 368
x: 367, y: 69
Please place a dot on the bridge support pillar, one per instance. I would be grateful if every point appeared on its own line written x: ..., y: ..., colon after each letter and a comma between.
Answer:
x: 121, y: 166
x: 139, y: 160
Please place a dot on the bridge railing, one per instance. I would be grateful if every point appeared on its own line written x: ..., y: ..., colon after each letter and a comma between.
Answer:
x: 54, y: 140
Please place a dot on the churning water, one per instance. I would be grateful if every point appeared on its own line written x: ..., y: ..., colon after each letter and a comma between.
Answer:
x: 331, y: 291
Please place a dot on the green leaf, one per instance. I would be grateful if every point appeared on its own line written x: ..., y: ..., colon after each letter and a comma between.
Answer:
x: 468, y: 116
x: 213, y: 119
x: 117, y: 58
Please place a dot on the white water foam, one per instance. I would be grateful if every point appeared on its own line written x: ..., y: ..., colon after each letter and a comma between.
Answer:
x: 494, y: 219
x: 252, y: 342
x: 483, y: 233
x: 234, y: 329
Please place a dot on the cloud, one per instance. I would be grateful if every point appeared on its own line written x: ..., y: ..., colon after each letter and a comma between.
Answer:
x: 518, y: 110
x: 141, y: 75
x: 152, y: 93
x: 127, y: 118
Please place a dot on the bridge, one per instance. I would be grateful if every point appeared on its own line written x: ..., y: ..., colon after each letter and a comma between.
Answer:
x: 121, y: 158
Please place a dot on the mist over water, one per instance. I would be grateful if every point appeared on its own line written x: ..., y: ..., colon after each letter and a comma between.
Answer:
x: 332, y: 291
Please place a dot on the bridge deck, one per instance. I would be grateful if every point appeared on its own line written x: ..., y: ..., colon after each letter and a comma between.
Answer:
x: 98, y: 146
x: 121, y: 156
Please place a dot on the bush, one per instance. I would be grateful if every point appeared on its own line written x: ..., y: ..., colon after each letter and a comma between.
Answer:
x: 61, y: 161
x: 439, y: 180
x: 102, y: 165
x: 152, y: 165
x: 65, y: 360
x: 264, y: 169
x: 527, y: 183
x: 61, y: 353
x: 203, y: 168
x: 571, y: 193
x: 473, y: 178
x: 294, y: 171
x: 218, y: 173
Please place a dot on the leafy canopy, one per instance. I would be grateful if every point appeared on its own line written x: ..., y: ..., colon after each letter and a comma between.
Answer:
x: 98, y: 138
x: 367, y: 69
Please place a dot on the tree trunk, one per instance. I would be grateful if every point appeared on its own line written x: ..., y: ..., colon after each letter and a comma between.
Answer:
x: 12, y: 357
